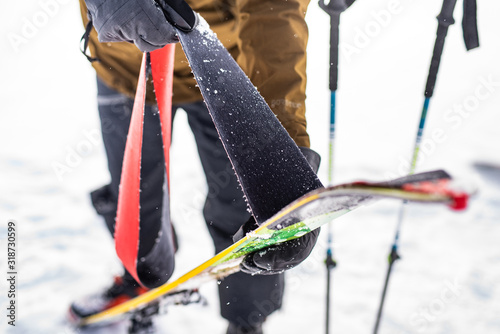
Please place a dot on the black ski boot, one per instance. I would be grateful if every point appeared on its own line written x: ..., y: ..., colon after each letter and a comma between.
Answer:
x: 124, y: 288
x: 238, y: 329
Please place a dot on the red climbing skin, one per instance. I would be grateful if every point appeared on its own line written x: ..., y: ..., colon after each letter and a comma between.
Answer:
x: 127, y: 216
x: 128, y: 212
x: 162, y: 62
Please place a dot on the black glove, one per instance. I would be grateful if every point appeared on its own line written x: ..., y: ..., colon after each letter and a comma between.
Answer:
x: 276, y: 259
x: 142, y: 22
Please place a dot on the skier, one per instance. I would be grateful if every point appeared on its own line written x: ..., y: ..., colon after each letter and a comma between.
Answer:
x: 268, y: 39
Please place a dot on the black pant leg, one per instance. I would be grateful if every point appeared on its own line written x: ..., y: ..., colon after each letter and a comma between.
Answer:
x: 244, y: 299
x: 115, y: 112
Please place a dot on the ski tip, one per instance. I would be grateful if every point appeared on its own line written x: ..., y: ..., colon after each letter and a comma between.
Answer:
x: 458, y: 199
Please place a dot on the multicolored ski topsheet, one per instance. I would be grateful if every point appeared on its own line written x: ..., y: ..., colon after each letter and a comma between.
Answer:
x: 303, y: 215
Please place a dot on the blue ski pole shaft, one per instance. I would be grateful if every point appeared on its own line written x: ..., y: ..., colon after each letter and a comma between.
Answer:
x: 394, y: 255
x: 445, y: 19
x: 418, y: 139
x: 330, y: 261
x: 334, y: 9
x: 334, y: 61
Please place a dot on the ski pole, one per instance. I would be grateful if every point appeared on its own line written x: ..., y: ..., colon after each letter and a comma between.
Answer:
x: 445, y: 19
x: 334, y: 8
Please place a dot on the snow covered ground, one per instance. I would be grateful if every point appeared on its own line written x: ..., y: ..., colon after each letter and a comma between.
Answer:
x: 449, y: 278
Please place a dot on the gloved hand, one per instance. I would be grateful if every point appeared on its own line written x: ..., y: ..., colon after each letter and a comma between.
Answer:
x: 276, y: 259
x: 284, y: 256
x: 142, y: 22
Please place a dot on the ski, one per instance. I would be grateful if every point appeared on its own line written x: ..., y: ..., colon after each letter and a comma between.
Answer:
x: 283, y: 193
x: 301, y: 216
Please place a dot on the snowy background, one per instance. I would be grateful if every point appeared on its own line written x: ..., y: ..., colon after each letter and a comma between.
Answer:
x: 449, y: 278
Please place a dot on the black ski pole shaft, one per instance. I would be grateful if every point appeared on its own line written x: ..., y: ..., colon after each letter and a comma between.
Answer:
x: 393, y: 257
x: 445, y: 19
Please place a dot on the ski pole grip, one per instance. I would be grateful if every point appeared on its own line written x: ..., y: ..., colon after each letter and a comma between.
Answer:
x: 334, y: 9
x: 334, y: 51
x: 445, y: 18
x: 179, y: 14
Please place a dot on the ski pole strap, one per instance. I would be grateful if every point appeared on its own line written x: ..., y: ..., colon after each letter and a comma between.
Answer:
x: 469, y: 25
x: 85, y: 40
x: 445, y: 19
